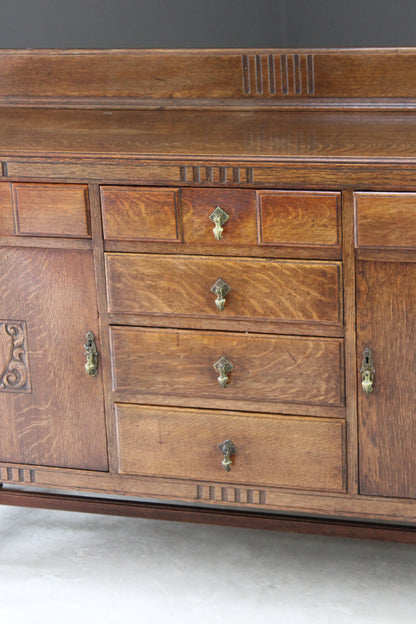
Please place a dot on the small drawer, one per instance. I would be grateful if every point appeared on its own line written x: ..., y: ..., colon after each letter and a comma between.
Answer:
x: 277, y: 451
x: 239, y: 223
x: 265, y: 369
x: 57, y: 210
x: 295, y: 218
x: 385, y: 220
x: 224, y: 288
x: 140, y: 214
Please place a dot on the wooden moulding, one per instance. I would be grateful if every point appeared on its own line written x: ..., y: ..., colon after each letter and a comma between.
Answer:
x: 229, y: 77
x: 203, y: 515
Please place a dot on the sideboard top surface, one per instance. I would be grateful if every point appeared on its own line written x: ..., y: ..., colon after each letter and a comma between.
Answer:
x: 259, y: 135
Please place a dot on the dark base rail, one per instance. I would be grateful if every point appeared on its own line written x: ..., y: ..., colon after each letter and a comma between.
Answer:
x: 203, y: 515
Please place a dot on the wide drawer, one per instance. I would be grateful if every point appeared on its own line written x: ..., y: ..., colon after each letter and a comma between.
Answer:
x: 385, y: 220
x: 302, y: 223
x: 55, y: 210
x: 292, y: 452
x: 177, y: 367
x: 273, y: 290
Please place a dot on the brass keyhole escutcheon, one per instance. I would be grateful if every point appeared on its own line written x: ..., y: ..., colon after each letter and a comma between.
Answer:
x: 91, y: 353
x: 228, y: 449
x: 219, y: 217
x: 367, y: 371
x: 221, y: 289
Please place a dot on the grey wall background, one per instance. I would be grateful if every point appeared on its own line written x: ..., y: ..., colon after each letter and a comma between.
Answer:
x: 208, y: 23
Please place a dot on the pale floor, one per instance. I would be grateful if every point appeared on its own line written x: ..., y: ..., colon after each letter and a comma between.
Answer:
x: 69, y: 567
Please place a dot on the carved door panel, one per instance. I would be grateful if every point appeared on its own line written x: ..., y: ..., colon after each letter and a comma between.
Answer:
x: 386, y: 324
x: 51, y: 410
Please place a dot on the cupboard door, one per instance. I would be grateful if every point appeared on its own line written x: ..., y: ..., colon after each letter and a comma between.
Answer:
x: 51, y: 410
x: 386, y: 324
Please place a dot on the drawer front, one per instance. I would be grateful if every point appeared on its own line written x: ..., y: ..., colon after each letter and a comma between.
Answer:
x: 266, y: 369
x: 141, y: 214
x: 299, y: 218
x: 292, y: 223
x: 239, y: 206
x: 385, y: 220
x: 274, y: 290
x: 293, y: 452
x: 51, y: 210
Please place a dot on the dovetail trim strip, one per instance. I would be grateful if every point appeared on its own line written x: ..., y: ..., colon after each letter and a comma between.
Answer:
x: 218, y: 175
x: 230, y: 494
x: 14, y: 366
x: 278, y: 74
x: 17, y: 475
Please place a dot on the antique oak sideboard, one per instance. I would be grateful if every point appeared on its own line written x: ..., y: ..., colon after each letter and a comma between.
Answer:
x: 208, y: 286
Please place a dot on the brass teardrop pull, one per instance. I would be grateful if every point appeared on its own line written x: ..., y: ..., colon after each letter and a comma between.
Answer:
x: 223, y: 367
x: 219, y: 217
x: 367, y: 371
x: 221, y: 289
x: 228, y: 449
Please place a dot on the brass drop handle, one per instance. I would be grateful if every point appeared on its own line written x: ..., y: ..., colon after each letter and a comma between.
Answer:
x: 228, y: 449
x: 367, y: 371
x: 91, y: 354
x: 221, y: 289
x: 223, y: 367
x: 219, y: 217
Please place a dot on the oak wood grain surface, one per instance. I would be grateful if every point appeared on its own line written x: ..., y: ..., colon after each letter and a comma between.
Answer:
x: 385, y: 220
x: 290, y: 174
x: 57, y: 418
x: 295, y: 218
x: 386, y: 323
x: 239, y: 230
x: 350, y: 342
x: 293, y: 452
x: 67, y: 76
x: 266, y: 368
x: 260, y: 289
x: 342, y: 136
x: 51, y: 210
x: 140, y: 213
x: 7, y: 224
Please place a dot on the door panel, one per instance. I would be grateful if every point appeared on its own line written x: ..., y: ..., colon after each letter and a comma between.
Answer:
x: 386, y: 323
x: 51, y: 411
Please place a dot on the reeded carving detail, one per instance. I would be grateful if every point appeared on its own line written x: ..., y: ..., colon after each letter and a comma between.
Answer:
x: 14, y: 365
x: 218, y: 175
x: 12, y: 474
x: 278, y: 74
x: 230, y: 494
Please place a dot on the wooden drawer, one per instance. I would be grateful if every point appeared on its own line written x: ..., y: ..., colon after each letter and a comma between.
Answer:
x: 292, y: 452
x: 177, y: 367
x: 298, y: 223
x: 51, y: 210
x: 141, y: 214
x: 307, y: 219
x: 386, y: 220
x: 273, y: 290
x: 240, y: 229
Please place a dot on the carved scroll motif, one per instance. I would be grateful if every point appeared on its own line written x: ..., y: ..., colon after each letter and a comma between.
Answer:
x: 14, y: 366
